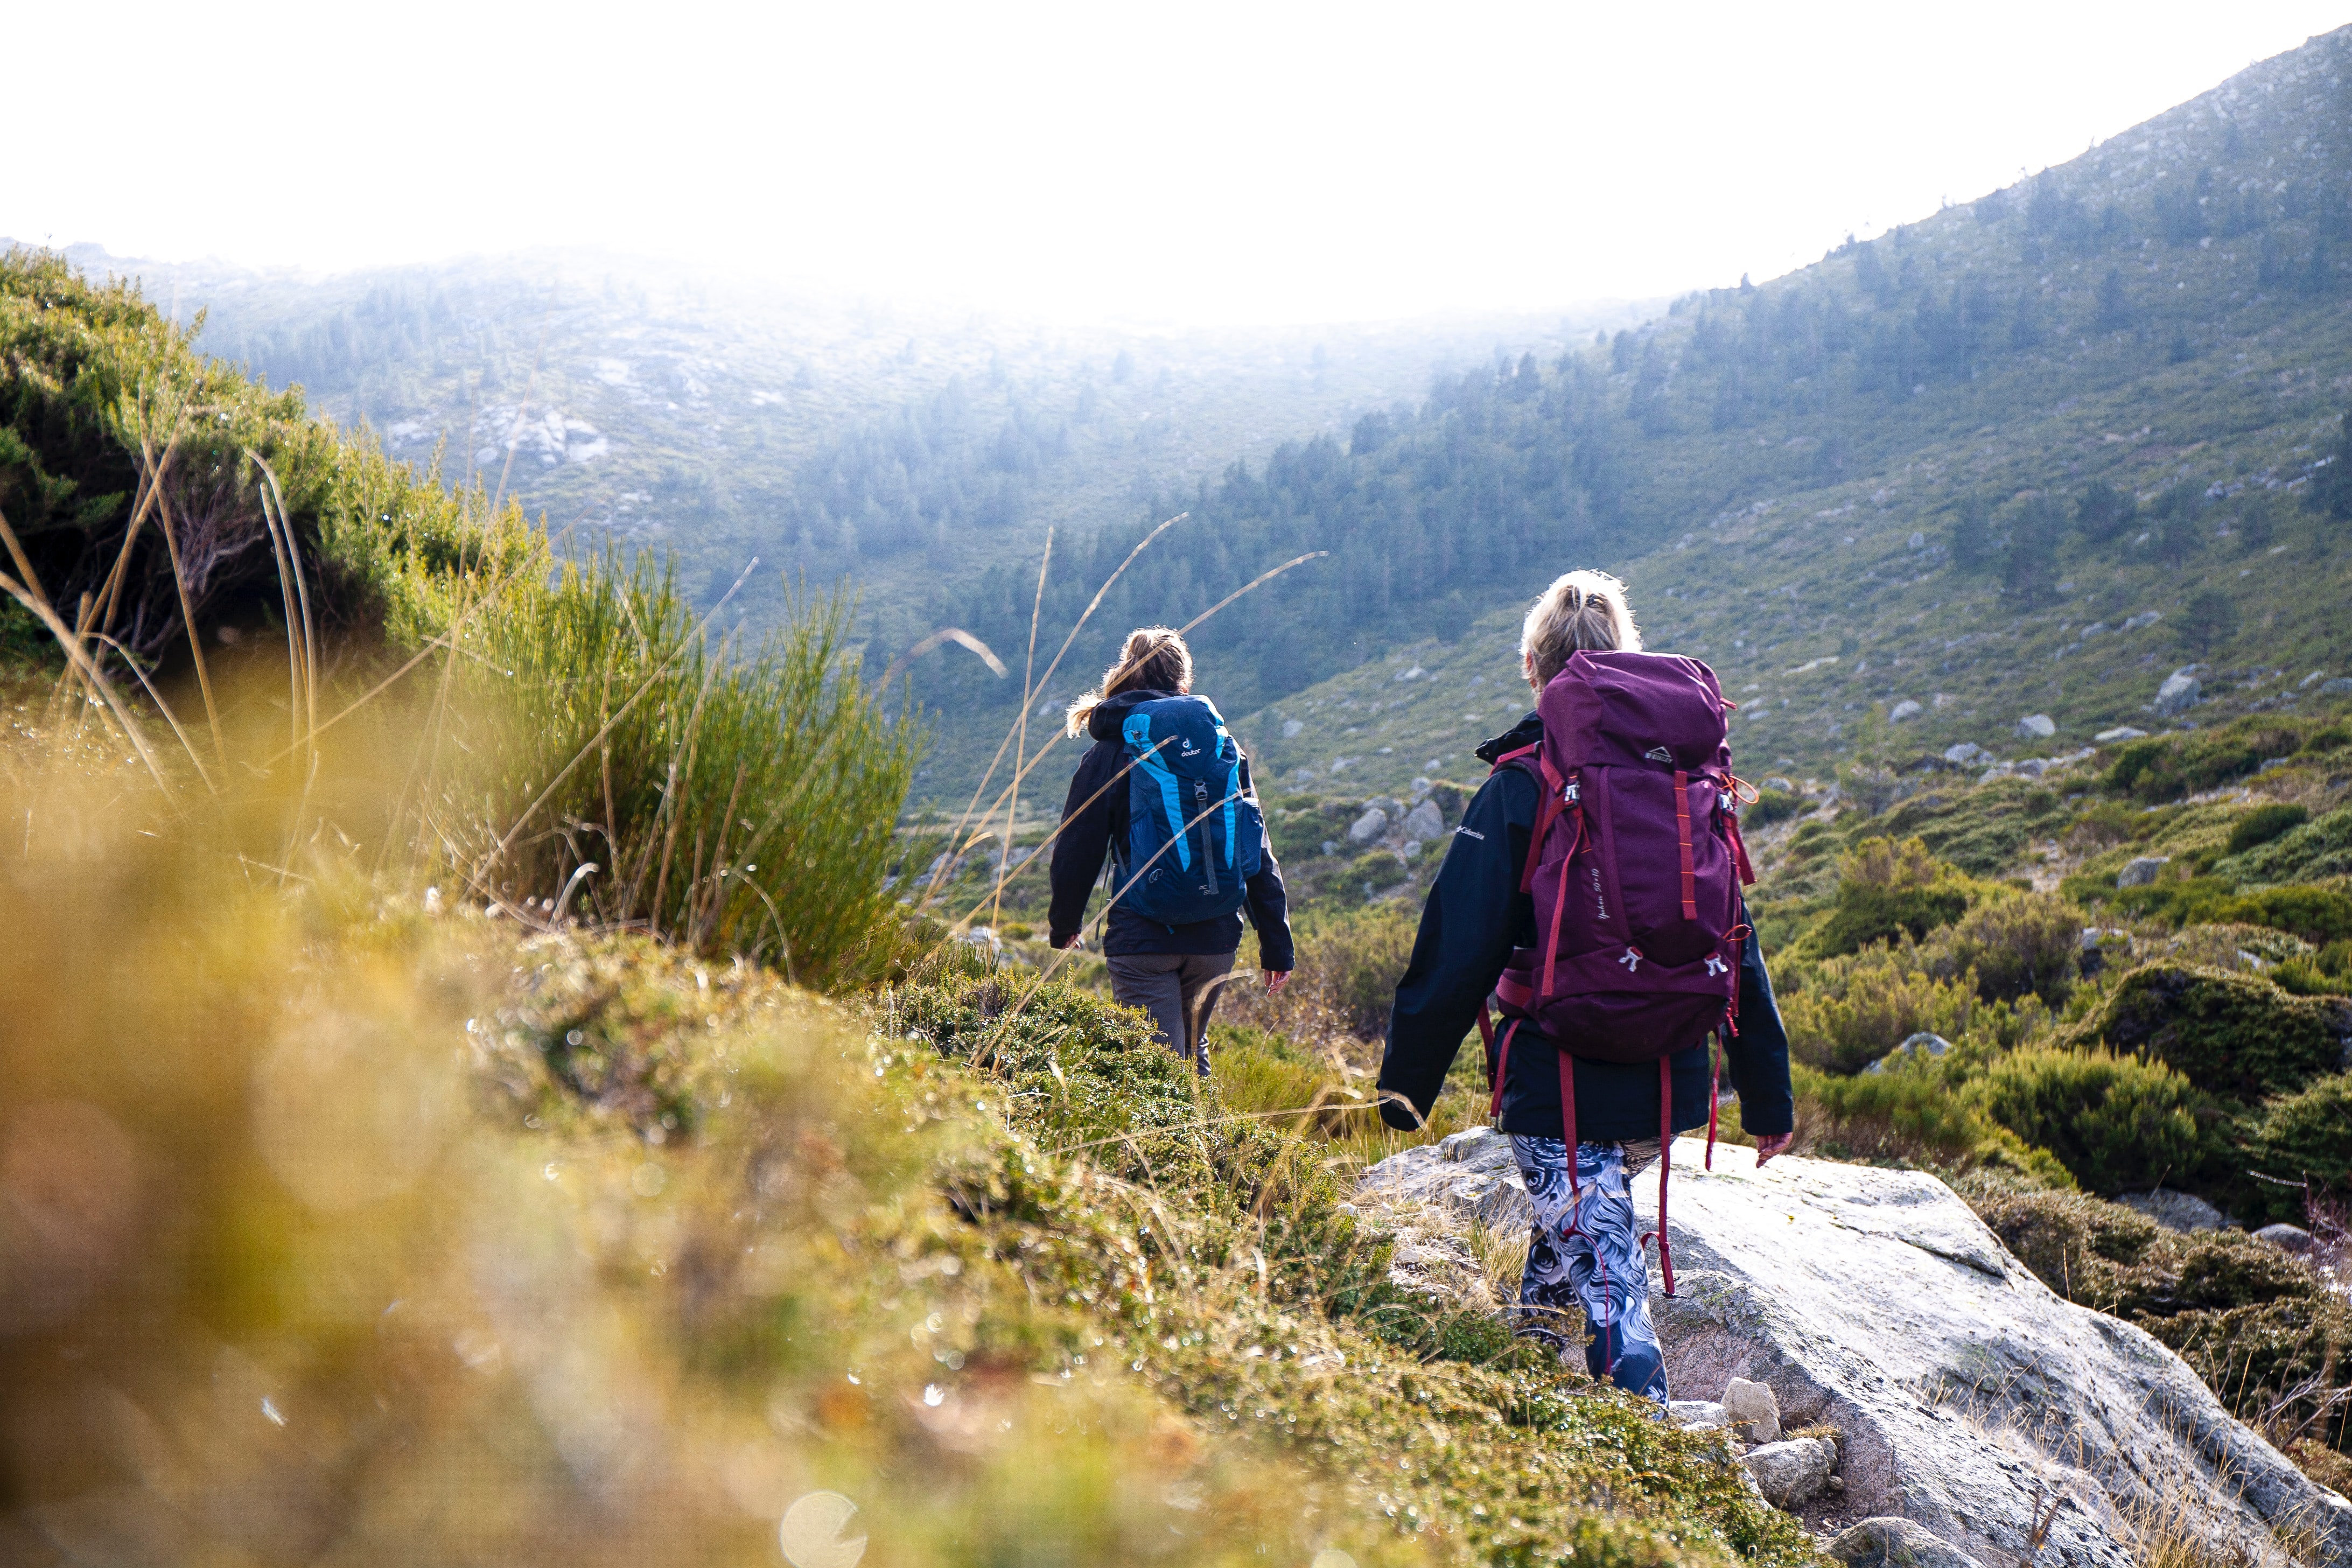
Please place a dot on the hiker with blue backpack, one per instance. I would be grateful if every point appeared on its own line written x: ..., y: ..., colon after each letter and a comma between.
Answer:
x: 1165, y: 793
x: 1591, y: 897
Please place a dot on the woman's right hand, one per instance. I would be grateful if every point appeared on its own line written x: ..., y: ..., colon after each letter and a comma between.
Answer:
x: 1077, y: 938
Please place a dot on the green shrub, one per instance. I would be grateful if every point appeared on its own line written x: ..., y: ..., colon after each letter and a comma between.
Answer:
x: 2264, y: 823
x: 2316, y: 914
x: 2303, y: 1137
x: 2018, y: 944
x: 1906, y: 1113
x: 1771, y: 806
x: 2320, y: 847
x: 2235, y: 1035
x: 1854, y: 1010
x: 2328, y: 972
x: 1886, y: 890
x: 2167, y: 767
x: 2116, y: 1122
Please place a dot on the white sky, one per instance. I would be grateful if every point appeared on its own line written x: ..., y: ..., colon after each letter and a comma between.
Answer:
x: 1197, y: 163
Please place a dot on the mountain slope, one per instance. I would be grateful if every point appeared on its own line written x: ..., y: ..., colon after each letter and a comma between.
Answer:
x: 653, y: 404
x: 2025, y: 457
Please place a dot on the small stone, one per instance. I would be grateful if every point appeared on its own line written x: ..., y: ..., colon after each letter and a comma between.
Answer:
x: 1290, y: 728
x: 1697, y: 1414
x: 1791, y: 1473
x: 1425, y: 821
x: 1891, y: 1542
x: 2140, y: 873
x: 2120, y: 732
x: 1966, y: 753
x: 2180, y: 692
x: 1921, y: 1044
x: 1369, y: 826
x: 2286, y: 1237
x: 1907, y: 708
x: 2175, y: 1211
x: 2036, y: 727
x: 2339, y: 687
x: 1753, y: 1405
x: 1330, y: 846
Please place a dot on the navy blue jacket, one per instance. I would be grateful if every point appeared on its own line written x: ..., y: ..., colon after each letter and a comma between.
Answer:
x: 1094, y: 818
x: 1475, y: 915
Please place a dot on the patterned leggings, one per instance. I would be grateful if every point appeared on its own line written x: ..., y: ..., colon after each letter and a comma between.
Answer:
x: 1586, y: 1253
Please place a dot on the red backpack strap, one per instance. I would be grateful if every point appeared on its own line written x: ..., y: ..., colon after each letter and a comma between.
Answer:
x: 1665, y: 1164
x: 1568, y: 1115
x: 1682, y: 828
x: 1502, y: 1064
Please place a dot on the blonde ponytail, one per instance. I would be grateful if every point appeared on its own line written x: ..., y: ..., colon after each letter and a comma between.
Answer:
x: 1580, y: 610
x: 1154, y: 659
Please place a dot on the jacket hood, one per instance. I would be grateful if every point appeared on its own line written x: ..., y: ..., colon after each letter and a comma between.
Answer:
x: 1525, y: 732
x: 1104, y: 722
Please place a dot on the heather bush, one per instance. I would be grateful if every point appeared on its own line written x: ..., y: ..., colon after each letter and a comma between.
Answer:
x: 1889, y: 890
x: 2016, y: 943
x: 2116, y: 1122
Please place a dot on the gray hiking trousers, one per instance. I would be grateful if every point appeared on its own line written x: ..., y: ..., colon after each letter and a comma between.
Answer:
x: 1176, y: 990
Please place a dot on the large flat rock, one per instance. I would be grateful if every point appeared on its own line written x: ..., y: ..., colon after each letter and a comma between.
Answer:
x: 1971, y: 1399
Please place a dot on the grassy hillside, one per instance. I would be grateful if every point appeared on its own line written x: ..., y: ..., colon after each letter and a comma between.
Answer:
x: 2029, y: 455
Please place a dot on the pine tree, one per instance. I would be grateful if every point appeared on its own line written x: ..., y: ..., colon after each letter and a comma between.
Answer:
x: 2331, y: 488
x: 2115, y: 309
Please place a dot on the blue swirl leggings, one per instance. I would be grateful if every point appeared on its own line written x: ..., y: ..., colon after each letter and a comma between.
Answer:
x: 1586, y: 1253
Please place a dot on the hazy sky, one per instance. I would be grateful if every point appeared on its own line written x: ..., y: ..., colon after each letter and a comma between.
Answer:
x: 1193, y: 163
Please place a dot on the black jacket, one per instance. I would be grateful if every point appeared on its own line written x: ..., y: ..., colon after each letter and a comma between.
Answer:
x: 1094, y: 819
x: 1474, y: 917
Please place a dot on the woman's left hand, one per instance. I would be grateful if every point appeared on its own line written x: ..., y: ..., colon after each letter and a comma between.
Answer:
x: 1771, y: 1144
x: 1275, y: 979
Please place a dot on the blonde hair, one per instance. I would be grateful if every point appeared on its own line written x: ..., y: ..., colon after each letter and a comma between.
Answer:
x: 1154, y: 659
x: 1580, y: 610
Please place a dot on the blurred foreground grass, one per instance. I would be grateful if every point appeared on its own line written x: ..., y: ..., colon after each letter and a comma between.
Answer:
x: 340, y: 1224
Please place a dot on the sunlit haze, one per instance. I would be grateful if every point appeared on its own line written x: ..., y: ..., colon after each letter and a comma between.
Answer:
x: 1199, y: 163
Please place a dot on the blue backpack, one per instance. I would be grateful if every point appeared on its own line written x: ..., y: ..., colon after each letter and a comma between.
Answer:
x: 1190, y: 832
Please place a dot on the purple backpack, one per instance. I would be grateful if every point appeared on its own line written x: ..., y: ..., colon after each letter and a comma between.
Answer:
x: 1635, y: 868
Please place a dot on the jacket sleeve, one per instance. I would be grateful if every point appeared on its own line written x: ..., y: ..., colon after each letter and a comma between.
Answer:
x: 1085, y: 838
x: 1758, y: 1055
x: 1268, y: 902
x: 1474, y: 918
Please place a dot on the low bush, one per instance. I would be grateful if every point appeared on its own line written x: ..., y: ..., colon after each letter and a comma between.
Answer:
x: 2328, y: 972
x: 2317, y: 914
x: 1348, y: 966
x: 1854, y: 1010
x: 2318, y: 848
x: 2167, y: 767
x: 2016, y: 943
x: 1889, y: 890
x: 2116, y: 1122
x: 1908, y: 1113
x: 2235, y: 1036
x: 2264, y: 823
x: 1771, y: 806
x: 2305, y: 1138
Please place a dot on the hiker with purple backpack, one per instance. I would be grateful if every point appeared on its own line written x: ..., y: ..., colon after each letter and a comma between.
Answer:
x: 1591, y: 896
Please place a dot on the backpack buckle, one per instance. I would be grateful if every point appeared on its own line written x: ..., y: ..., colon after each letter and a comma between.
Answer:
x: 1571, y: 791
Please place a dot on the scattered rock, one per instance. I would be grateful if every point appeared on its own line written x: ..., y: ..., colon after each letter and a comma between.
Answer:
x: 1290, y: 728
x: 2179, y: 691
x: 2339, y: 687
x: 1967, y: 755
x: 1409, y: 850
x: 1893, y: 1542
x: 2286, y: 1237
x: 1697, y: 1414
x: 1921, y: 1044
x: 2144, y: 619
x: 1752, y: 1405
x: 2142, y: 871
x: 1330, y: 846
x: 2036, y: 727
x: 2120, y: 732
x: 1907, y: 708
x: 1968, y: 1394
x: 1425, y: 821
x: 1372, y: 825
x: 1793, y: 1473
x: 1421, y: 787
x: 2175, y: 1211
